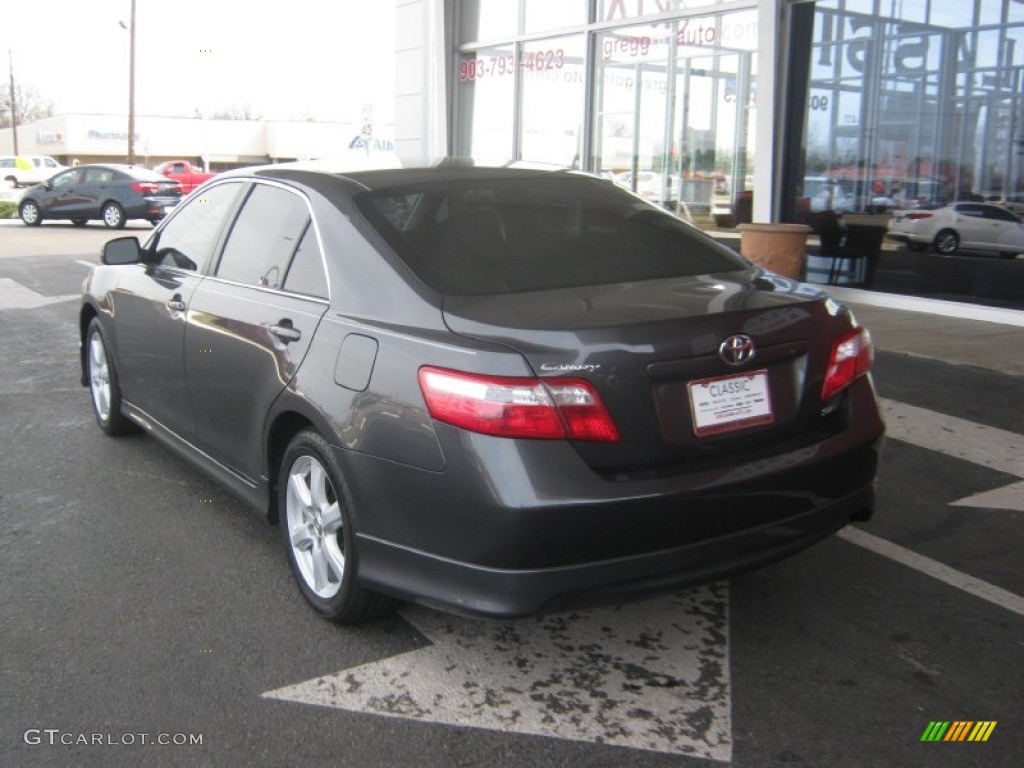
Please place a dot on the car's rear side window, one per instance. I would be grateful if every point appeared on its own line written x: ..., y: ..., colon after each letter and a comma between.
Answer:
x: 510, y: 235
x: 306, y: 273
x: 264, y: 237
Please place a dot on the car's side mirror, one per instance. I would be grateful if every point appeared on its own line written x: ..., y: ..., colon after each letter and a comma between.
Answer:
x: 123, y: 250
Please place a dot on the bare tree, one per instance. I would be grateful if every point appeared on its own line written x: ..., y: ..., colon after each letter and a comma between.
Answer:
x: 236, y: 112
x: 31, y: 105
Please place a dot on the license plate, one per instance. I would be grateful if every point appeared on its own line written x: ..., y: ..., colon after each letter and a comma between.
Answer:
x: 169, y: 208
x: 728, y: 403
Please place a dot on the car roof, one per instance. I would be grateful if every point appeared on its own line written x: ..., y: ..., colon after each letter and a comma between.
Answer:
x: 334, y: 179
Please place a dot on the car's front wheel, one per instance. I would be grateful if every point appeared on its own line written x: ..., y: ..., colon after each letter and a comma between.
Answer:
x: 947, y: 241
x: 113, y: 216
x: 30, y: 213
x: 104, y: 385
x: 316, y: 522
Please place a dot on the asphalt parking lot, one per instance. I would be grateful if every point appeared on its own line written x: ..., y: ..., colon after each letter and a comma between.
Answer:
x: 147, y: 618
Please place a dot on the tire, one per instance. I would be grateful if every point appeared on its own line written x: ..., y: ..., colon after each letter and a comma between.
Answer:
x: 104, y: 385
x: 947, y: 241
x: 316, y: 523
x: 30, y: 213
x: 113, y: 216
x: 916, y: 247
x: 79, y: 222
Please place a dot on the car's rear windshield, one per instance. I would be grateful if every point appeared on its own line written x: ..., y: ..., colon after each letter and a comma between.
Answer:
x: 530, y: 233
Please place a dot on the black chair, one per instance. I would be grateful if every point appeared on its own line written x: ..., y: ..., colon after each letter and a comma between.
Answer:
x: 862, y: 247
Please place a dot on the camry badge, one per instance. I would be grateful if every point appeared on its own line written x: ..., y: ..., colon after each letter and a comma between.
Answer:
x: 737, y: 349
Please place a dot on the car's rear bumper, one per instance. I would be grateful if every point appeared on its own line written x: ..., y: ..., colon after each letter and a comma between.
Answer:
x: 477, y: 590
x: 542, y: 531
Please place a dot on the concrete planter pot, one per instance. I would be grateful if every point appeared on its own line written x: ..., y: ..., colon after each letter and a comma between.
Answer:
x: 781, y: 248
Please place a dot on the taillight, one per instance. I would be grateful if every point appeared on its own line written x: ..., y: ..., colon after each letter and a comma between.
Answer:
x: 145, y: 187
x: 851, y: 358
x: 548, y: 409
x: 917, y: 215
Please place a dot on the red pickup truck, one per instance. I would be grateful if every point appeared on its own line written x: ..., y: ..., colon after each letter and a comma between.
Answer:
x: 185, y: 173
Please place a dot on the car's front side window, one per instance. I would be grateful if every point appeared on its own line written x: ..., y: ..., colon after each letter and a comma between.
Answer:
x: 188, y: 239
x: 66, y: 179
x: 264, y: 237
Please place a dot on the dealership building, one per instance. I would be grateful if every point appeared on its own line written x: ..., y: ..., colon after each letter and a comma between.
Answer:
x: 914, y: 97
x: 689, y: 101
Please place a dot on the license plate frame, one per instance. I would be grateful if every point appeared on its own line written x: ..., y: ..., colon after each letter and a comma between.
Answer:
x: 722, y: 404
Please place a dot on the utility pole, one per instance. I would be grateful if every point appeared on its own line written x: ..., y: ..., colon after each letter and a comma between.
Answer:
x: 131, y: 89
x: 14, y: 102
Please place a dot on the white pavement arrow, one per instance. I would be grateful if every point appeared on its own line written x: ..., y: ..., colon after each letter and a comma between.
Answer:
x: 652, y: 675
x: 14, y: 295
x: 980, y: 444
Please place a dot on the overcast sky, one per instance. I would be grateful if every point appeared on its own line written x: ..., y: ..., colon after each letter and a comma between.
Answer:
x: 297, y: 59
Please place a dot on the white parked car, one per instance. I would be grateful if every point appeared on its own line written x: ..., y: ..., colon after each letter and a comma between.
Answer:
x: 26, y: 170
x: 975, y: 226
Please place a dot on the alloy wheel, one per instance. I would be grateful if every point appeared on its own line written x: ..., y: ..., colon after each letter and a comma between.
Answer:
x: 314, y: 522
x: 99, y: 376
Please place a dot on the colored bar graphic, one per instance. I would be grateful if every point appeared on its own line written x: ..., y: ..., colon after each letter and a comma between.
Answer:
x: 959, y: 730
x: 982, y: 730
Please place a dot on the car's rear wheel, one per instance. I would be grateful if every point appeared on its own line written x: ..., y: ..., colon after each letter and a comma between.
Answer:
x: 947, y: 241
x: 30, y: 213
x: 104, y: 385
x: 79, y: 222
x: 316, y: 522
x: 113, y: 216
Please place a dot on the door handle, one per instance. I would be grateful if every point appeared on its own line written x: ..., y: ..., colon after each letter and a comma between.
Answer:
x: 285, y: 331
x: 176, y: 304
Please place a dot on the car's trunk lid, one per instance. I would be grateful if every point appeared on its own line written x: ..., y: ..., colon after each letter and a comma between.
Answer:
x: 652, y: 351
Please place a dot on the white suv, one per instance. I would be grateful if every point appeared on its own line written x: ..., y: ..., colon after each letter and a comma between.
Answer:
x: 26, y: 170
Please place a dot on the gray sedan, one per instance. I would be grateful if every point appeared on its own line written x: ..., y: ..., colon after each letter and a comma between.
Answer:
x: 498, y: 391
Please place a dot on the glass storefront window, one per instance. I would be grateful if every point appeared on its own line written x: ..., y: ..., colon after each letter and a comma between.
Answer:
x: 674, y: 111
x: 921, y: 107
x: 493, y: 19
x: 486, y: 102
x: 487, y: 19
x: 544, y: 15
x: 630, y: 10
x: 553, y: 91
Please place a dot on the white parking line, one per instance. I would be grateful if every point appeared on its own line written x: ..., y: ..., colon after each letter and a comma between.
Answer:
x: 981, y: 444
x: 993, y: 594
x: 14, y: 295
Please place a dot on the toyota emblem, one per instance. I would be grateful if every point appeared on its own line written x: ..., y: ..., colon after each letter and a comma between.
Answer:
x: 737, y: 349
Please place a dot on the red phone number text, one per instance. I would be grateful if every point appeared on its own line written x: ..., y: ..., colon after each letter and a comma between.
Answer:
x: 495, y: 66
